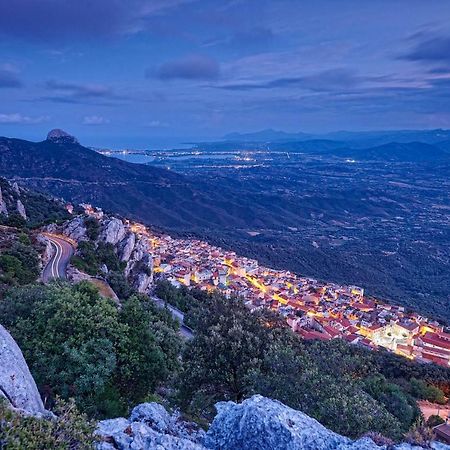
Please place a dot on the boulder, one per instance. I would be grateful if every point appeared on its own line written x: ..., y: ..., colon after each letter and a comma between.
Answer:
x: 113, y: 231
x: 75, y: 229
x: 265, y: 424
x: 150, y: 427
x: 256, y: 423
x: 17, y: 385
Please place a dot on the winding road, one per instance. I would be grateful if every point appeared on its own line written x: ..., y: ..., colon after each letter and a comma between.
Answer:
x: 57, y: 264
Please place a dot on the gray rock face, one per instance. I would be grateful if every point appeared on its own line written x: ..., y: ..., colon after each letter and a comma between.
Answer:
x: 17, y: 385
x: 61, y: 137
x: 258, y: 423
x: 265, y: 424
x: 150, y: 427
x: 21, y: 209
x: 142, y: 274
x: 16, y: 188
x: 113, y: 231
x: 3, y: 207
x: 75, y: 229
x: 126, y: 246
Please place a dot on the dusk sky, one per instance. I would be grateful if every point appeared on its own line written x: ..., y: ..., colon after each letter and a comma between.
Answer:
x: 140, y: 73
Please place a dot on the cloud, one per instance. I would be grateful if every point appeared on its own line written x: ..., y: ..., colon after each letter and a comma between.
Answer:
x: 328, y: 80
x: 429, y: 48
x: 80, y: 90
x: 95, y: 120
x: 193, y: 67
x: 157, y: 124
x: 9, y: 77
x: 58, y: 20
x: 66, y: 92
x: 17, y: 118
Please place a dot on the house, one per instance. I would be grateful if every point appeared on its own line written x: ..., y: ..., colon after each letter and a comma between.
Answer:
x: 443, y: 432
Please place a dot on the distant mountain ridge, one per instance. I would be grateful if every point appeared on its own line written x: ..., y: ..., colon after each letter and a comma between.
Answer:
x: 65, y: 168
x: 390, y: 152
x: 358, y: 138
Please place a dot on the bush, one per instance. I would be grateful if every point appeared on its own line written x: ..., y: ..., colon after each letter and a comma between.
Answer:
x: 92, y: 228
x: 78, y: 344
x: 424, y: 391
x: 20, y: 263
x: 434, y: 421
x: 421, y: 436
x: 69, y: 431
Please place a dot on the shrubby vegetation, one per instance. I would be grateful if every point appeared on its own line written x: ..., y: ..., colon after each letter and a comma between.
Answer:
x: 351, y: 390
x: 80, y: 345
x: 19, y: 261
x: 40, y: 209
x: 70, y: 431
x: 91, y: 257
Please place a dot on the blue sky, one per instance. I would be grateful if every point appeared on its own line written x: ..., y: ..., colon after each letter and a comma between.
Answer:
x: 140, y: 73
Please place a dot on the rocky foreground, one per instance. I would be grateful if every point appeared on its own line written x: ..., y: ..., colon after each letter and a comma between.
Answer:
x: 258, y: 423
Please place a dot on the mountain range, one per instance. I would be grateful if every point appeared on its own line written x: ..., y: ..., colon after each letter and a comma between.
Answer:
x: 357, y: 138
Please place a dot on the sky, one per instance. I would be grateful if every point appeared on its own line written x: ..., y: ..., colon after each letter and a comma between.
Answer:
x: 142, y: 73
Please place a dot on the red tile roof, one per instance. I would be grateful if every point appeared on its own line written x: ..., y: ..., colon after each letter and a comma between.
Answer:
x: 436, y: 339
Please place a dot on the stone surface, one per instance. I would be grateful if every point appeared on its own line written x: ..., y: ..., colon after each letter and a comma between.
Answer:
x: 150, y: 427
x: 266, y: 424
x: 21, y: 209
x: 17, y: 385
x: 113, y: 231
x: 258, y: 423
x: 3, y: 207
x: 75, y: 229
x: 126, y: 246
x: 142, y: 274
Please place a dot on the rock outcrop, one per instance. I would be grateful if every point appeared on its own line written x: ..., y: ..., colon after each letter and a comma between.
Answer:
x: 3, y: 207
x: 150, y: 427
x: 75, y: 229
x: 131, y: 248
x: 257, y: 423
x: 17, y: 385
x: 113, y: 231
x: 61, y: 137
x: 126, y: 246
x: 21, y: 209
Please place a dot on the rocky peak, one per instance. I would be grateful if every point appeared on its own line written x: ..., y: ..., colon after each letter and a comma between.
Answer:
x: 61, y: 137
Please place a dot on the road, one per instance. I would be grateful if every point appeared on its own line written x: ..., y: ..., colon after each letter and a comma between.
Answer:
x: 185, y: 331
x: 57, y: 264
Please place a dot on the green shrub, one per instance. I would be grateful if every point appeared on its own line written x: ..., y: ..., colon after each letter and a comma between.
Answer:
x: 69, y: 431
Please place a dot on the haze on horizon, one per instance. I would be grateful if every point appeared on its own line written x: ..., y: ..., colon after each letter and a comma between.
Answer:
x: 138, y: 72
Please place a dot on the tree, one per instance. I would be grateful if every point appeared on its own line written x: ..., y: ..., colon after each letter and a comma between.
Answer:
x: 226, y: 349
x: 67, y: 336
x: 78, y: 344
x: 142, y: 363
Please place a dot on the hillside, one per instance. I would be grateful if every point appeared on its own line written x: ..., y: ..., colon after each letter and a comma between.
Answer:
x: 19, y: 205
x: 398, y: 152
x: 67, y: 169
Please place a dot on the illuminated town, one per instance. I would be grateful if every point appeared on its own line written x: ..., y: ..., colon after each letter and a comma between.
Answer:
x: 312, y: 308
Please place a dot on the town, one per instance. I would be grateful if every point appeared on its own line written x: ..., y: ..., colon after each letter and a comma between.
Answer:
x: 313, y: 309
